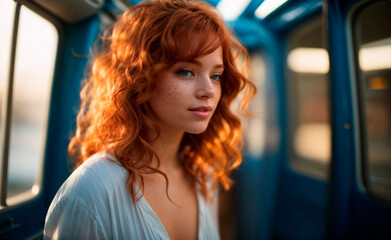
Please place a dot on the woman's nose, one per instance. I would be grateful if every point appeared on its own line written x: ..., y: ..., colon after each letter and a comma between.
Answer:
x: 206, y: 88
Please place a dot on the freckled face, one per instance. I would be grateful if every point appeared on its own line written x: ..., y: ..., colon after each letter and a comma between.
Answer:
x: 187, y: 94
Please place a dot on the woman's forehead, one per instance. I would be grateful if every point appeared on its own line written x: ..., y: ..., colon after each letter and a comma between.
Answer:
x: 197, y: 45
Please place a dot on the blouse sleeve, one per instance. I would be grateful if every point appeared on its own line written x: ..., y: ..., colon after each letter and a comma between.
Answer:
x: 71, y: 219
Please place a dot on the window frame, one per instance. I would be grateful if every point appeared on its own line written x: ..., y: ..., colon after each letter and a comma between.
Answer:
x: 7, y: 128
x: 26, y: 218
x: 292, y: 103
x: 6, y: 132
x: 363, y: 161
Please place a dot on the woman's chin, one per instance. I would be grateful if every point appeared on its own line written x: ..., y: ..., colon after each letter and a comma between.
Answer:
x: 197, y: 130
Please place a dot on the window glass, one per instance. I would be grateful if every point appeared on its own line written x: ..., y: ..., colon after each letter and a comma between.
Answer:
x: 255, y: 129
x: 34, y: 66
x: 254, y: 136
x: 373, y: 38
x: 308, y: 100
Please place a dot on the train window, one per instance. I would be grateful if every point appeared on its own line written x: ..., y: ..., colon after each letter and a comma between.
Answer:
x: 308, y: 84
x: 255, y: 131
x: 255, y: 140
x: 372, y: 26
x: 36, y: 48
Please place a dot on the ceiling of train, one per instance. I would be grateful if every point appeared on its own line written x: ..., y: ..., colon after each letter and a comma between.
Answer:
x: 260, y: 10
x: 234, y: 9
x: 248, y: 18
x: 246, y: 15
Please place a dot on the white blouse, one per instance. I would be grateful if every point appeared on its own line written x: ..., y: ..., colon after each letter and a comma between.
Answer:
x: 94, y: 203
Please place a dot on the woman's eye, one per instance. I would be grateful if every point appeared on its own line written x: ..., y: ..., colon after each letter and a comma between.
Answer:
x: 185, y: 73
x: 216, y: 77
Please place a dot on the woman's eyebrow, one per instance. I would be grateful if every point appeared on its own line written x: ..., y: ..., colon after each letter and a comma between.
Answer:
x: 198, y: 63
x: 219, y: 66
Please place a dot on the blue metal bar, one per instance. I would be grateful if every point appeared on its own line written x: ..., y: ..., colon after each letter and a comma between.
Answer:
x: 343, y: 157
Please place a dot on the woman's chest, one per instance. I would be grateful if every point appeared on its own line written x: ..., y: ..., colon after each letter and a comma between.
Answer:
x: 176, y: 207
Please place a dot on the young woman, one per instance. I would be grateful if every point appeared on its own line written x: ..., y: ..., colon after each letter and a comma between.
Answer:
x: 155, y: 133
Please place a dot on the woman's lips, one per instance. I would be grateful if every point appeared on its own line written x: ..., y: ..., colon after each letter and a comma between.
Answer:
x: 202, y: 111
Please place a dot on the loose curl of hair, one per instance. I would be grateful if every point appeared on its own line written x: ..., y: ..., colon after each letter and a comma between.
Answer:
x: 149, y: 38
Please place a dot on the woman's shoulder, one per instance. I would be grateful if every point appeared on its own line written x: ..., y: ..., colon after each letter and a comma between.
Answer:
x: 86, y: 198
x: 97, y: 177
x: 100, y: 167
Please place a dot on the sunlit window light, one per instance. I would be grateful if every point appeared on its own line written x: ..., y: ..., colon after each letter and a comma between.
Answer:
x: 231, y: 9
x: 313, y: 141
x: 375, y: 58
x: 35, y: 189
x: 309, y: 60
x: 267, y: 7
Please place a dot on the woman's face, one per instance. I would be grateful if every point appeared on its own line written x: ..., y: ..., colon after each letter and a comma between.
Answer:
x: 187, y: 94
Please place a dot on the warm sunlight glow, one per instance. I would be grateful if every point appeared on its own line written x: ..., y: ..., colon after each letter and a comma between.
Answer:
x: 313, y: 141
x: 35, y: 189
x: 309, y: 60
x: 378, y: 83
x: 375, y: 58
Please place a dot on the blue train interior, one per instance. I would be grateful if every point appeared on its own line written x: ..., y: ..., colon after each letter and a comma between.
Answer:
x: 317, y: 154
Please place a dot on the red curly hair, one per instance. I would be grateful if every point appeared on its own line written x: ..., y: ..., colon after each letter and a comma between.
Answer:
x: 146, y: 40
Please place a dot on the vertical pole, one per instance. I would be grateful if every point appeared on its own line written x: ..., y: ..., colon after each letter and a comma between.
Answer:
x: 6, y: 131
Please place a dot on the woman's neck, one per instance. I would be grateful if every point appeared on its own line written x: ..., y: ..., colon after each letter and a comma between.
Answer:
x: 167, y: 147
